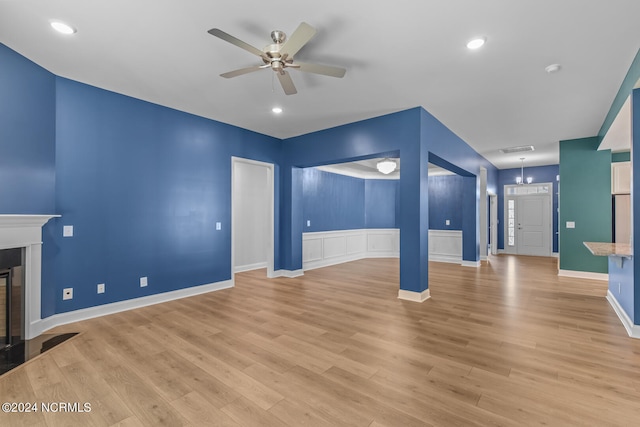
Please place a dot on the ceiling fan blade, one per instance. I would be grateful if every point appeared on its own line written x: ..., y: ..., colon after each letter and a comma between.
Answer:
x: 241, y: 71
x: 299, y: 38
x: 235, y: 41
x: 325, y: 70
x: 287, y: 83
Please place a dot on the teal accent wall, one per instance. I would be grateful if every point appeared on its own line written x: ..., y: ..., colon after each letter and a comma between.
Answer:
x: 585, y: 197
x: 620, y: 157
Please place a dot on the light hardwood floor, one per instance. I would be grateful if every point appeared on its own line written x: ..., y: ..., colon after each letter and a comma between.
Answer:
x: 508, y: 343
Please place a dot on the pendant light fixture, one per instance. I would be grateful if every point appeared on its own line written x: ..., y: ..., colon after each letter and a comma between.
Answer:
x: 520, y: 179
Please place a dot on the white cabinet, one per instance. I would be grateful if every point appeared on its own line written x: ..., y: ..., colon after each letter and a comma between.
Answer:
x: 621, y: 178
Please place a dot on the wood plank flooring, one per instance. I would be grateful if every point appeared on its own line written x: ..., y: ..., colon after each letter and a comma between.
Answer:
x: 509, y: 343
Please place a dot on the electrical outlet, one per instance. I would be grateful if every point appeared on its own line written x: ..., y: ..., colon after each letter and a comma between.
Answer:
x: 67, y: 231
x: 101, y: 288
x: 218, y: 226
x: 143, y: 282
x: 308, y: 223
x: 618, y: 288
x: 67, y: 293
x: 447, y: 222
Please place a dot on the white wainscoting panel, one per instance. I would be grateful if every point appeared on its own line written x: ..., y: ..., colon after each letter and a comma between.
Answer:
x: 334, y: 246
x: 324, y: 248
x: 445, y: 246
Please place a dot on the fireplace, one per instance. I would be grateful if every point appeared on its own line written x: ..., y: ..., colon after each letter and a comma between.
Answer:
x: 25, y: 231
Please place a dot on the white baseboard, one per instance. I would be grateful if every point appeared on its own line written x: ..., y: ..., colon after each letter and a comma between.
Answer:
x: 414, y: 296
x: 474, y: 264
x: 50, y: 322
x: 632, y: 330
x: 584, y: 275
x: 484, y: 257
x: 288, y: 273
x: 555, y: 254
x: 249, y: 267
x: 452, y: 259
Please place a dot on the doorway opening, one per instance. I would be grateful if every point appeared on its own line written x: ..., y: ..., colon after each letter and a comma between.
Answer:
x: 252, y: 216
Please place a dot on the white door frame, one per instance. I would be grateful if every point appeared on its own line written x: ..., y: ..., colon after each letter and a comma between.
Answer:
x: 493, y: 218
x: 270, y: 214
x: 514, y: 249
x: 483, y: 220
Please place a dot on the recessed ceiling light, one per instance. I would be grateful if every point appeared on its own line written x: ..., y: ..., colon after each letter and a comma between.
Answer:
x: 476, y: 43
x: 62, y: 28
x: 553, y: 68
x: 277, y: 110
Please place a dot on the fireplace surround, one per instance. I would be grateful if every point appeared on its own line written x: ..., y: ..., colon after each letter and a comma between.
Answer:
x: 25, y: 231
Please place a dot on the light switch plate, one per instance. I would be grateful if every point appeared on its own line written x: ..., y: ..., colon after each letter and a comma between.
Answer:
x: 218, y: 226
x: 571, y: 224
x: 143, y: 282
x: 101, y: 288
x: 447, y: 222
x: 308, y: 223
x: 67, y: 231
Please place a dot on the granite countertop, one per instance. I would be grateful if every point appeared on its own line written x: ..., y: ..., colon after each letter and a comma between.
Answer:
x: 610, y: 249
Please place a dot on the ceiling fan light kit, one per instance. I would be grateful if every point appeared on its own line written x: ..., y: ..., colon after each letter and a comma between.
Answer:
x: 279, y: 56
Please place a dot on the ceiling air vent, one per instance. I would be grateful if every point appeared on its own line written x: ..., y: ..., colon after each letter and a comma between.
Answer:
x: 519, y: 149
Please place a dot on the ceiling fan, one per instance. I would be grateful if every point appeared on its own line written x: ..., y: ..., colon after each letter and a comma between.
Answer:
x: 279, y: 56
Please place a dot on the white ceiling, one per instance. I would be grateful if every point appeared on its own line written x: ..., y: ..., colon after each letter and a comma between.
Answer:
x: 398, y: 55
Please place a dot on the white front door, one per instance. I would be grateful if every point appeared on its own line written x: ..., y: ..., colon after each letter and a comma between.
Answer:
x: 533, y: 222
x: 528, y: 226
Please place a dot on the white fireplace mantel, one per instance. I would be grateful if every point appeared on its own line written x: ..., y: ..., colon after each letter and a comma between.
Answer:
x: 25, y: 231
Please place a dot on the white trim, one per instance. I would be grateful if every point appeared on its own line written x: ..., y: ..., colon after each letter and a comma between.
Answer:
x: 484, y: 258
x: 474, y: 264
x: 414, y: 296
x: 342, y: 170
x: 117, y: 307
x: 271, y: 213
x: 287, y: 273
x: 326, y: 248
x: 555, y: 254
x: 250, y: 267
x: 632, y: 330
x: 445, y: 246
x: 25, y: 231
x: 584, y: 275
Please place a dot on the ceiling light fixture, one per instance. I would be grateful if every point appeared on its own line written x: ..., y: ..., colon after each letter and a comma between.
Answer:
x: 386, y: 166
x: 553, y: 68
x: 277, y: 110
x: 62, y: 28
x: 520, y: 179
x: 476, y: 43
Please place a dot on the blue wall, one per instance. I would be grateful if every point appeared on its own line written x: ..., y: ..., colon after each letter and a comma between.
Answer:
x: 143, y: 185
x: 338, y: 202
x: 445, y: 199
x: 539, y: 174
x: 381, y: 203
x: 27, y: 136
x: 332, y: 201
x: 413, y: 134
